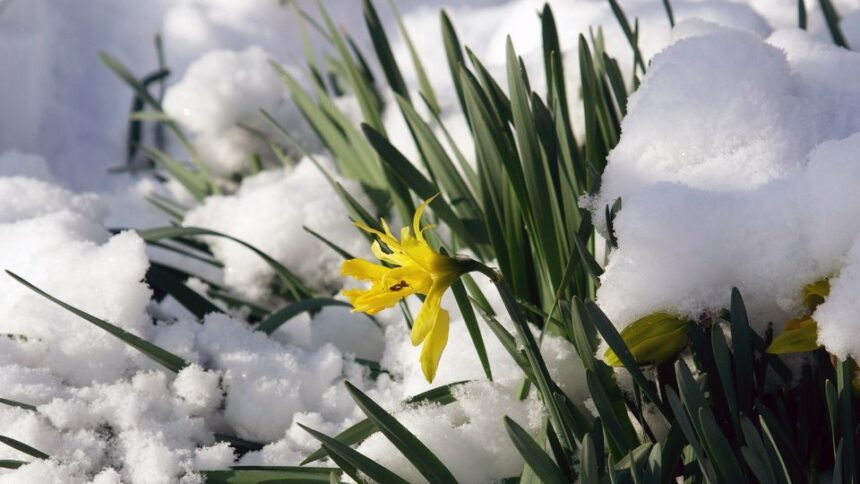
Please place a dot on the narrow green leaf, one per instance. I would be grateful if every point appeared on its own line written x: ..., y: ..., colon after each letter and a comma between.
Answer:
x: 471, y: 321
x: 365, y: 428
x: 13, y: 403
x: 540, y: 372
x: 278, y: 318
x: 194, y: 182
x: 22, y: 447
x: 724, y: 459
x: 270, y: 475
x: 413, y: 449
x: 831, y: 17
x: 425, y: 189
x: 755, y: 449
x: 454, y: 54
x: 159, y: 355
x: 683, y: 420
x: 616, y: 343
x: 290, y: 281
x: 160, y: 277
x: 361, y: 462
x: 628, y: 32
x: 801, y: 14
x: 743, y: 353
x: 723, y: 362
x: 383, y: 49
x: 331, y: 245
x: 424, y: 85
x: 536, y: 458
x: 620, y: 439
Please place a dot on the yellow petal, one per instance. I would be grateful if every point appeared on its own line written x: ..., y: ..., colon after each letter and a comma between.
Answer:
x: 815, y: 294
x: 385, y: 237
x: 396, y: 258
x: 434, y: 345
x: 652, y: 339
x: 416, y: 220
x: 362, y: 270
x: 802, y: 338
x: 375, y: 299
x: 427, y: 315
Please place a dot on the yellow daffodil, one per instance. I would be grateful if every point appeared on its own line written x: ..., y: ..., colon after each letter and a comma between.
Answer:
x: 652, y: 339
x: 801, y: 335
x: 415, y: 269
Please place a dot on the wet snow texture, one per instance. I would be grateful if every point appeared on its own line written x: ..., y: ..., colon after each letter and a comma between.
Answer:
x: 737, y: 166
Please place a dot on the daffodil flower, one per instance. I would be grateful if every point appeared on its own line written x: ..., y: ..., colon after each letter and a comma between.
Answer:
x: 415, y: 269
x: 801, y: 335
x: 652, y: 340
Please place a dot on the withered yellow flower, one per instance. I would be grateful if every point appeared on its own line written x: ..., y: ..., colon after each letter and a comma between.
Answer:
x: 416, y: 269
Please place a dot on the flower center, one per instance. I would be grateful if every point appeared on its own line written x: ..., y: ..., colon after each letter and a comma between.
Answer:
x: 400, y: 285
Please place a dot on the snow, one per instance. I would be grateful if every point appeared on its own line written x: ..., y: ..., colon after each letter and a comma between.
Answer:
x: 746, y: 198
x: 269, y: 211
x: 224, y: 88
x: 738, y: 166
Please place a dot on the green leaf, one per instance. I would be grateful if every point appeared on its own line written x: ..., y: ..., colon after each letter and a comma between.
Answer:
x: 588, y: 467
x: 22, y: 447
x: 471, y: 321
x: 801, y: 14
x: 358, y: 460
x: 383, y: 49
x: 628, y: 32
x: 331, y: 245
x: 290, y: 281
x: 540, y: 373
x: 11, y: 464
x: 742, y: 346
x: 270, y: 475
x: 724, y: 459
x: 454, y: 54
x: 424, y: 85
x: 356, y: 433
x: 415, y: 452
x: 536, y: 458
x: 831, y: 17
x: 723, y: 362
x: 13, y: 403
x: 683, y: 420
x: 613, y: 339
x: 399, y: 165
x: 193, y: 181
x: 620, y: 432
x: 157, y: 354
x: 278, y: 318
x: 755, y: 451
x: 160, y: 277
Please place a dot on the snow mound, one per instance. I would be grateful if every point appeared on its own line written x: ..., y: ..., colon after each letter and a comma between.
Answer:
x: 697, y: 222
x: 223, y: 88
x: 268, y: 211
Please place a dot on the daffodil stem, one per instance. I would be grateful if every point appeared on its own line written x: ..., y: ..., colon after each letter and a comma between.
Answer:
x: 467, y: 264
